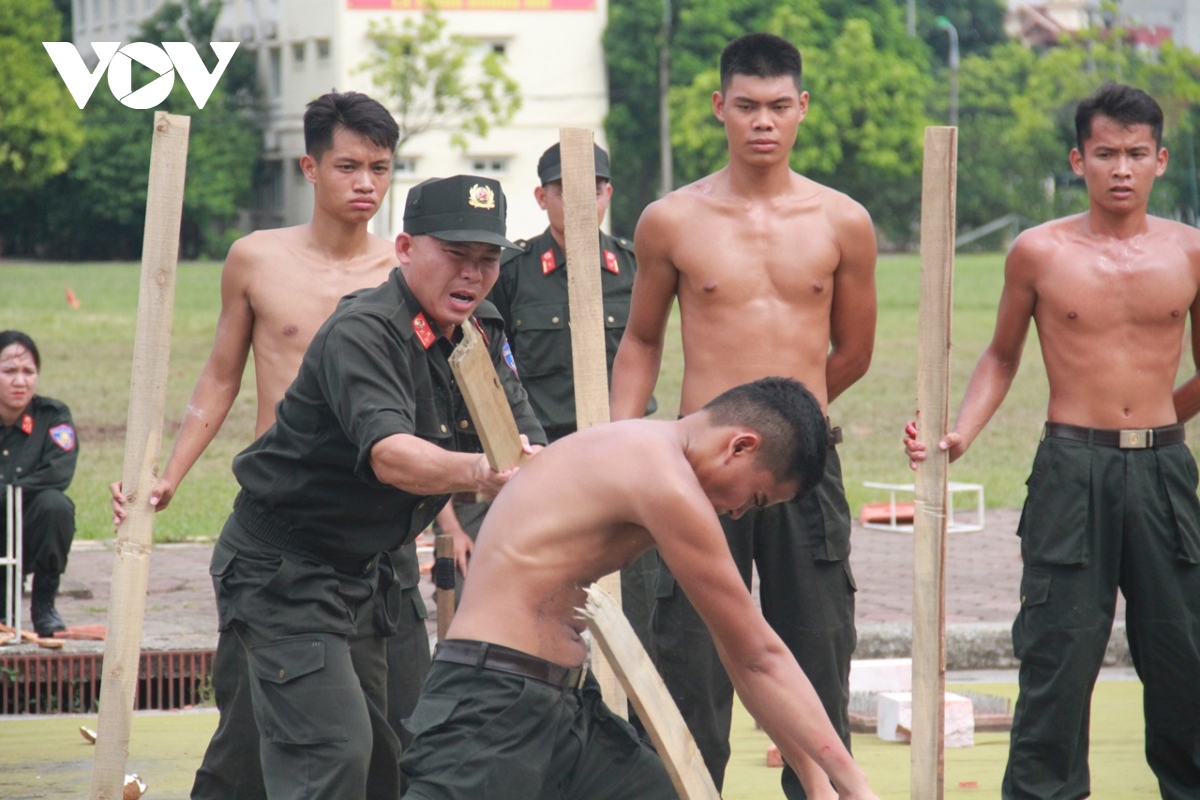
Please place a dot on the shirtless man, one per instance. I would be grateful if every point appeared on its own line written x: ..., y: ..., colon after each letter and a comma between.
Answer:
x: 512, y: 659
x: 277, y: 288
x: 1112, y: 496
x: 792, y: 293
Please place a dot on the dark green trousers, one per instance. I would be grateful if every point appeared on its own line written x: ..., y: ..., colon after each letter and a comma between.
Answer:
x: 313, y: 639
x: 488, y: 735
x: 1098, y: 520
x: 801, y: 550
x: 231, y: 768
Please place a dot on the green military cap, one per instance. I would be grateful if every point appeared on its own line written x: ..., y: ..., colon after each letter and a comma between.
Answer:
x: 550, y: 164
x: 465, y: 208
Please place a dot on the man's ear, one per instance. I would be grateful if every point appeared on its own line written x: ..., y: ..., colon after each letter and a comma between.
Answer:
x: 744, y: 443
x: 308, y: 165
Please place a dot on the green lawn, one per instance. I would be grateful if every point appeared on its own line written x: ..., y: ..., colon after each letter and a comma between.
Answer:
x: 86, y: 355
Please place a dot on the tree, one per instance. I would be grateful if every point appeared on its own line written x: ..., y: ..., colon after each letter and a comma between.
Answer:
x: 96, y: 209
x: 431, y: 79
x: 39, y: 121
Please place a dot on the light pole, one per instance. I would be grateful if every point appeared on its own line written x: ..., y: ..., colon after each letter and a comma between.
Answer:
x: 948, y: 26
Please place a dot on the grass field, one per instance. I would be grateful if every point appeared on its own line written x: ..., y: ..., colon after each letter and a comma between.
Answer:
x: 45, y: 756
x: 87, y: 353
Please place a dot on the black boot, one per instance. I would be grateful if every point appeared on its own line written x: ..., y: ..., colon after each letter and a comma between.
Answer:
x: 41, y: 607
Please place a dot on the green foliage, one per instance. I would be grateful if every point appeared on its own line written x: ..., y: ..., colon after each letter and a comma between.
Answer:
x: 431, y: 79
x: 980, y: 25
x: 38, y: 119
x: 96, y: 209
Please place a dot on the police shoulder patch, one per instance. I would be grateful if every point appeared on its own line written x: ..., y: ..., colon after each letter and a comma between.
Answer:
x: 63, y: 436
x: 508, y: 358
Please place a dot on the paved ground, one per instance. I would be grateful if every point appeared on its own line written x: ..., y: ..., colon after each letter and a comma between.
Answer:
x: 982, y: 594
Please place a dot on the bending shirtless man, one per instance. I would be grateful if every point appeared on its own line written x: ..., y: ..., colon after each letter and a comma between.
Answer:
x: 507, y: 712
x: 277, y: 288
x: 775, y: 275
x: 1112, y: 496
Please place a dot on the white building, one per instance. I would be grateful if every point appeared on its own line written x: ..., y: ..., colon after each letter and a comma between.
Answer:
x: 308, y: 47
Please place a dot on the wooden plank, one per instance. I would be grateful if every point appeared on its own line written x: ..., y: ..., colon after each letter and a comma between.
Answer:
x: 443, y: 549
x: 585, y: 296
x: 933, y: 403
x: 649, y: 696
x: 143, y: 441
x: 486, y: 401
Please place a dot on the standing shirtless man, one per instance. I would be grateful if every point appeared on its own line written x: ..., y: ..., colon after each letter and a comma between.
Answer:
x: 277, y: 288
x: 790, y: 291
x: 1112, y: 496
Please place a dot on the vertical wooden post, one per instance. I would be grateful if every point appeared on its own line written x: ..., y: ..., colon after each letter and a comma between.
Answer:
x: 929, y: 523
x: 143, y: 440
x: 588, y: 359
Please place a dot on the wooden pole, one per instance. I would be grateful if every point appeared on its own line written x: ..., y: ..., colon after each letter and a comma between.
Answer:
x: 444, y: 577
x: 586, y: 302
x: 929, y: 522
x: 143, y: 440
x: 649, y: 696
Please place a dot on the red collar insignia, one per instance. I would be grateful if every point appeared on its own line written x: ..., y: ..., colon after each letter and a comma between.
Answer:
x: 26, y: 424
x: 549, y: 262
x: 422, y: 330
x: 610, y: 262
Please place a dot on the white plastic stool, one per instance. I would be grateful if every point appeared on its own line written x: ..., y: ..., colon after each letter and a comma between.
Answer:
x: 14, y: 524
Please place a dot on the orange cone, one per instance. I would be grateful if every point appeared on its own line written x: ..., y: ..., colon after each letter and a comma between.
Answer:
x: 72, y: 300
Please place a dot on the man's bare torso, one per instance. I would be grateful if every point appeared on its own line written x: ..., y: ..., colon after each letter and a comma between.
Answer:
x: 756, y: 284
x: 560, y: 524
x: 1110, y: 315
x: 292, y: 290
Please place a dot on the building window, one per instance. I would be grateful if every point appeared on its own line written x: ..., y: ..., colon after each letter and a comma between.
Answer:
x: 299, y: 50
x: 404, y: 165
x: 275, y: 71
x: 323, y: 47
x: 489, y: 165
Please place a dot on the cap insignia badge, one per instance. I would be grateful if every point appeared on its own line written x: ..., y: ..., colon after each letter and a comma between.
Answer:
x: 481, y: 197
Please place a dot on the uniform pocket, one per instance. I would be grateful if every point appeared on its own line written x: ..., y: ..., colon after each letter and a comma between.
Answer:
x: 432, y: 710
x: 1054, y: 522
x: 289, y: 693
x: 1178, y: 470
x: 541, y: 341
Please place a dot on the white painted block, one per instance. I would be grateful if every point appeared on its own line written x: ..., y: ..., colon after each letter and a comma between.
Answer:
x: 894, y: 719
x: 881, y: 675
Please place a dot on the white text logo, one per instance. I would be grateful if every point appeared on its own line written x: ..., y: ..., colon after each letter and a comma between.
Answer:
x: 178, y: 57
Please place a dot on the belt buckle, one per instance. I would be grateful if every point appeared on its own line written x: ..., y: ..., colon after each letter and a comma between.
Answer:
x: 1135, y: 439
x: 834, y: 436
x: 577, y: 679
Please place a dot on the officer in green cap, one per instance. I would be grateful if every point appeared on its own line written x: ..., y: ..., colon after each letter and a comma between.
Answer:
x: 369, y: 442
x: 531, y: 295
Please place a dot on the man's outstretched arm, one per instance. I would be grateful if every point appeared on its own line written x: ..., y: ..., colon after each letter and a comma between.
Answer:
x: 217, y: 387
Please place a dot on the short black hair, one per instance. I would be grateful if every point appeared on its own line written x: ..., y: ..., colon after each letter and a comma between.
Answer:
x: 16, y: 337
x: 795, y: 438
x: 353, y: 111
x: 763, y: 55
x: 1127, y: 105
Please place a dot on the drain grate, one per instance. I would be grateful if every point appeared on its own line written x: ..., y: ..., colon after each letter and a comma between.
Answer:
x: 69, y: 683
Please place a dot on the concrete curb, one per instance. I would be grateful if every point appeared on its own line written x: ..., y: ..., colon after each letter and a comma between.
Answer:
x: 977, y: 645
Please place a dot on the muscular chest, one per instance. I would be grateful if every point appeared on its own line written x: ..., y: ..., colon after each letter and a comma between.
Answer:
x: 1107, y: 293
x: 791, y: 260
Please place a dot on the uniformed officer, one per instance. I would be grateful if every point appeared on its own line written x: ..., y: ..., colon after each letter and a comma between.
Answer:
x: 368, y: 444
x: 531, y: 295
x: 38, y: 451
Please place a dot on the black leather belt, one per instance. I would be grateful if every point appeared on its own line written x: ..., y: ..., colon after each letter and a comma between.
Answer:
x: 504, y: 659
x: 1126, y: 438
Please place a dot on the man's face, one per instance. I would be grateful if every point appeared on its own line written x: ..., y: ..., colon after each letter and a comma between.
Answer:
x: 449, y: 279
x: 18, y: 379
x: 351, y: 177
x: 550, y: 198
x: 1119, y: 164
x: 761, y: 116
x: 740, y: 483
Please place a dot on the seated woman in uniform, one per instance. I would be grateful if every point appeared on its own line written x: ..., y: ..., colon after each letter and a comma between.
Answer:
x: 38, y: 451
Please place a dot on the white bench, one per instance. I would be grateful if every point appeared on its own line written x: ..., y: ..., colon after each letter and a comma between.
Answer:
x: 951, y: 525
